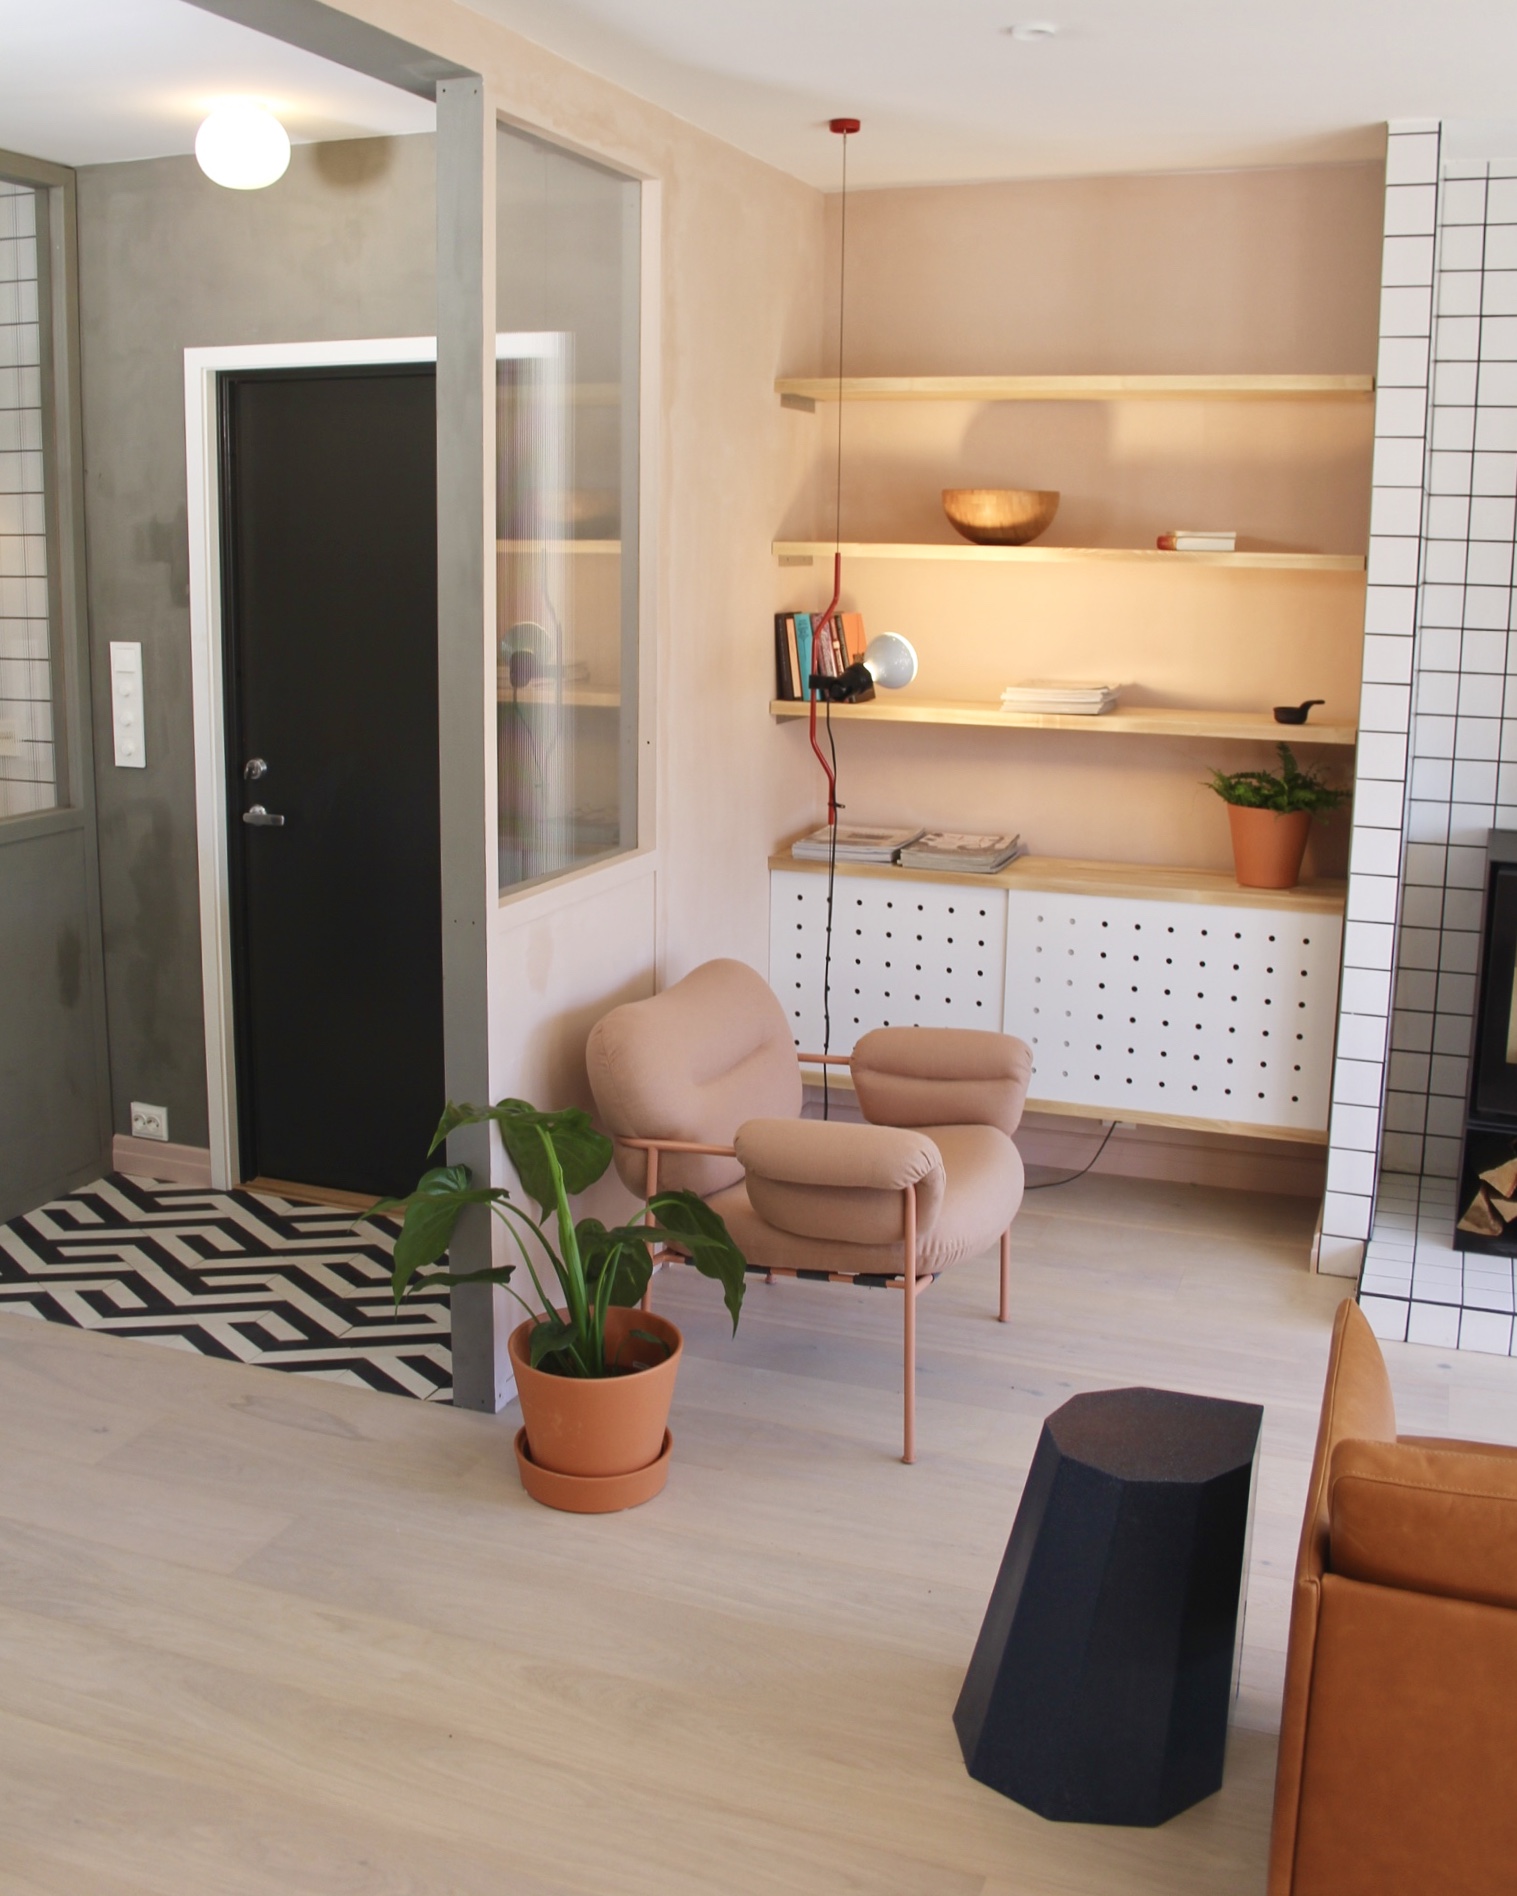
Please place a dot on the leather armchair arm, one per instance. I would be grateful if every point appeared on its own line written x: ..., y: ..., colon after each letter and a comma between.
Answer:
x: 839, y: 1181
x: 941, y: 1076
x: 1427, y: 1518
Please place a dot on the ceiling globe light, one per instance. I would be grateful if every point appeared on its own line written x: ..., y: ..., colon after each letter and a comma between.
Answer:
x: 1033, y: 30
x: 243, y: 146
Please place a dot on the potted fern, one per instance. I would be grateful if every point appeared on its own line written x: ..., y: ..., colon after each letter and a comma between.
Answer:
x: 595, y: 1374
x: 1270, y: 816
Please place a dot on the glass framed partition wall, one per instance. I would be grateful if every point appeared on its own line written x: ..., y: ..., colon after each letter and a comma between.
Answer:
x: 567, y: 296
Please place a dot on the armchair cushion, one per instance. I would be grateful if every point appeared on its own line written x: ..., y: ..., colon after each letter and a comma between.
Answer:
x: 692, y: 1063
x: 837, y: 1181
x: 1426, y: 1518
x: 983, y: 1190
x: 941, y: 1076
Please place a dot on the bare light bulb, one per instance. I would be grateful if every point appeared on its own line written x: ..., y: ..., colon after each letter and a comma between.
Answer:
x: 242, y: 145
x: 890, y: 660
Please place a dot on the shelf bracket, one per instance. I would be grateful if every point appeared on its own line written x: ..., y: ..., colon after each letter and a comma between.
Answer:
x: 802, y: 402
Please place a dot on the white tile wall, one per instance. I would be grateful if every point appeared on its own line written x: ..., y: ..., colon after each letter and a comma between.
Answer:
x: 1386, y: 715
x: 27, y: 766
x: 1461, y: 760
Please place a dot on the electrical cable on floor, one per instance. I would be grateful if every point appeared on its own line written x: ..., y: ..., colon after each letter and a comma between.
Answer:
x: 1047, y: 1184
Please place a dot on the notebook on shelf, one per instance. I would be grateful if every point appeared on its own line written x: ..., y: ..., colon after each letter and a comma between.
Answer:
x: 856, y: 842
x: 966, y: 852
x: 1067, y: 697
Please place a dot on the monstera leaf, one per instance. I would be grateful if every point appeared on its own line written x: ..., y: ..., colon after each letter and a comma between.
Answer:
x: 430, y: 1213
x: 689, y: 1223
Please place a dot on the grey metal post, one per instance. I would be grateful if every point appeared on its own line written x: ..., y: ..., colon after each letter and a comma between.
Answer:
x: 465, y: 556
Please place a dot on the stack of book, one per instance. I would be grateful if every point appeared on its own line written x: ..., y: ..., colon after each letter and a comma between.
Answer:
x: 1199, y: 540
x: 799, y: 651
x: 1068, y: 697
x: 952, y: 849
x: 855, y: 843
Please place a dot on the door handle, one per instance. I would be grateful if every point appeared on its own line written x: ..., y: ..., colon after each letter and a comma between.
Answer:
x: 261, y: 818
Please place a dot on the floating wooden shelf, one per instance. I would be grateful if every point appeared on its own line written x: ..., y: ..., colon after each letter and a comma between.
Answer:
x: 805, y: 552
x: 1147, y: 721
x: 1059, y: 875
x: 598, y: 547
x: 1075, y: 388
x: 575, y: 698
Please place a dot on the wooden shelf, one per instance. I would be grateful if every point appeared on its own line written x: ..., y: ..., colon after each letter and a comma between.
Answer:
x: 575, y: 698
x: 1057, y: 875
x: 1149, y: 721
x: 599, y: 547
x: 799, y: 389
x: 806, y: 552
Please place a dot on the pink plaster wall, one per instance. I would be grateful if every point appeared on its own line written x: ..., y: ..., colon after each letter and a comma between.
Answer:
x: 1266, y: 271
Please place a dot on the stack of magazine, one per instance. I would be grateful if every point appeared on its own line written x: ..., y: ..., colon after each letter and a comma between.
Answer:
x: 855, y: 843
x: 1067, y: 697
x: 952, y: 849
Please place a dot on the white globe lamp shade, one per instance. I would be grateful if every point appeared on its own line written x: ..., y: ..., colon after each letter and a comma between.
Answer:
x: 890, y: 660
x: 243, y: 146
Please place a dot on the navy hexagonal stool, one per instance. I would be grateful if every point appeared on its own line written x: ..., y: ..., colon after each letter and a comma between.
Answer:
x: 1100, y: 1684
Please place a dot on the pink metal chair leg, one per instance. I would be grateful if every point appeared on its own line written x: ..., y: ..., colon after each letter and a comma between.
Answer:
x: 909, y: 1288
x: 1006, y: 1275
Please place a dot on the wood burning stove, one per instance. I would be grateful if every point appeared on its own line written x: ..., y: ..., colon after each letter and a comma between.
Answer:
x: 1488, y: 1176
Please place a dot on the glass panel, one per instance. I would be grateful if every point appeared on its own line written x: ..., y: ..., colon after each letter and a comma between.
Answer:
x: 566, y: 499
x: 28, y: 765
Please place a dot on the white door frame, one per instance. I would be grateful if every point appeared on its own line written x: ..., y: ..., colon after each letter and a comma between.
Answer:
x: 201, y: 368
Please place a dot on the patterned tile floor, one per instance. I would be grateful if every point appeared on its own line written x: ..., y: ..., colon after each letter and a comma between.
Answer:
x: 1417, y: 1287
x: 237, y: 1274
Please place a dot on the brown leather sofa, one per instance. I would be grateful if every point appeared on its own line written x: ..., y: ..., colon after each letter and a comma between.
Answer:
x: 1398, y: 1739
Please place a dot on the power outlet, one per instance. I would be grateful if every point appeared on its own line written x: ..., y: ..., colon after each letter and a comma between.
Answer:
x: 149, y: 1122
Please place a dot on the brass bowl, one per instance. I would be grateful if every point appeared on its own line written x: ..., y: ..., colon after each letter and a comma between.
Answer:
x: 999, y: 516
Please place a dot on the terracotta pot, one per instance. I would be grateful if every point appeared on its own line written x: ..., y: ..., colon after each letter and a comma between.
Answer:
x: 1268, y: 846
x: 608, y: 1427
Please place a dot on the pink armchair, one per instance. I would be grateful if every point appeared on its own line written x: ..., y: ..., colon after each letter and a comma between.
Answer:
x: 701, y: 1088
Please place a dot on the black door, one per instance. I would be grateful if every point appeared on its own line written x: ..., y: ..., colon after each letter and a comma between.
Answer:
x: 329, y: 549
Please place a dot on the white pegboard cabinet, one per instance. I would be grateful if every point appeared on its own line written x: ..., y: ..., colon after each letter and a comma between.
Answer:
x: 1133, y: 1007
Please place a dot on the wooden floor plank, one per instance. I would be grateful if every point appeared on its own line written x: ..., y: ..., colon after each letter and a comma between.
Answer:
x: 264, y: 1635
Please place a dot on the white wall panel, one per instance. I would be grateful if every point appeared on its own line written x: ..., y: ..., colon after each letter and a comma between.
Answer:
x: 1182, y: 1009
x: 1186, y: 1009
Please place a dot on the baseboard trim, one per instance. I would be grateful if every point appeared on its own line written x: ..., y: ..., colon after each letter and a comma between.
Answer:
x: 1234, y: 1163
x: 1168, y: 1153
x: 161, y: 1159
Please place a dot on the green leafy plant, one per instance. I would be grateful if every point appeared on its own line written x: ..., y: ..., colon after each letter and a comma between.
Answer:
x: 1293, y: 789
x: 557, y: 1154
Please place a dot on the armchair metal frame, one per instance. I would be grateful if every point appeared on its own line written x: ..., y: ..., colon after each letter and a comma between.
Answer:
x: 905, y: 1280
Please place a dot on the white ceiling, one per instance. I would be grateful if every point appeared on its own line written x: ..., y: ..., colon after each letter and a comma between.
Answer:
x: 87, y: 82
x: 945, y: 94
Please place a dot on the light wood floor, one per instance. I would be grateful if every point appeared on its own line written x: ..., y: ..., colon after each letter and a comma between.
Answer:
x: 265, y: 1635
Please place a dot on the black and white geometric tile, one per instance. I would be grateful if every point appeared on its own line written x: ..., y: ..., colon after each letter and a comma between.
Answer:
x: 240, y: 1275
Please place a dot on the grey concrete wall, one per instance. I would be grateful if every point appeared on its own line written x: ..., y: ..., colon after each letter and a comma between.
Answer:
x: 343, y: 246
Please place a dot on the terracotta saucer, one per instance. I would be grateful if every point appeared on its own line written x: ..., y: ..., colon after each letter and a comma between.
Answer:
x: 592, y: 1494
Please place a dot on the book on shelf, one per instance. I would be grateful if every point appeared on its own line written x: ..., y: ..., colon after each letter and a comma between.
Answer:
x: 1065, y: 696
x: 803, y: 650
x: 856, y: 842
x: 965, y: 852
x: 786, y: 683
x: 1199, y: 540
x: 854, y: 637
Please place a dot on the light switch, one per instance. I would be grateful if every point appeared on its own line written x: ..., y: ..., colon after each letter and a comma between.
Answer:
x: 126, y: 705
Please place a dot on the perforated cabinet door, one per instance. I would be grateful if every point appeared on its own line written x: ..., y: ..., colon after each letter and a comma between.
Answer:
x: 904, y: 953
x: 1190, y: 1010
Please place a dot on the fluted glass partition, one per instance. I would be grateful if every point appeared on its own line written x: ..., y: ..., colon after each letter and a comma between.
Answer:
x: 567, y: 507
